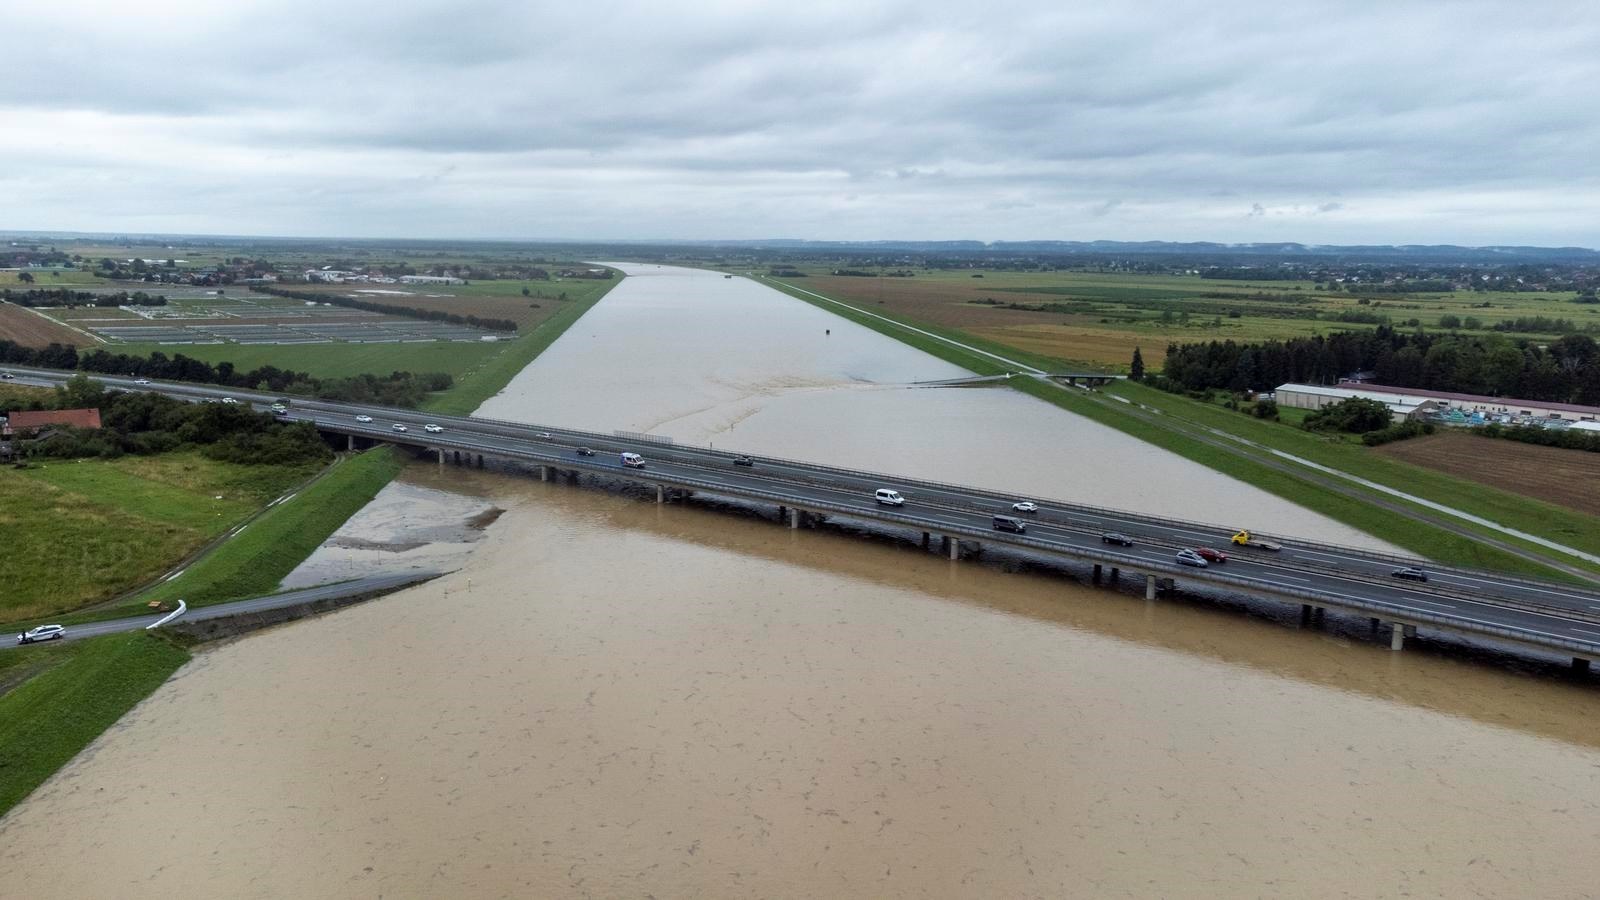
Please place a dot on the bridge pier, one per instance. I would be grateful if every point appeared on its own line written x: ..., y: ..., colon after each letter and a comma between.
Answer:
x: 794, y: 518
x: 441, y: 459
x: 1115, y: 573
x: 925, y: 540
x: 661, y: 494
x: 952, y: 547
x: 1580, y: 664
x: 1149, y: 587
x: 1096, y: 573
x: 458, y: 458
x: 544, y: 473
x: 1397, y: 636
x: 480, y: 460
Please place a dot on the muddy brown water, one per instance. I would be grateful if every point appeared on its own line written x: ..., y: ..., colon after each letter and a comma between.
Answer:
x: 615, y: 698
x: 620, y: 699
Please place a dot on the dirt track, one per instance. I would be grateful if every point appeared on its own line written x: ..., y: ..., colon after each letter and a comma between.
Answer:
x: 1569, y: 478
x: 30, y: 330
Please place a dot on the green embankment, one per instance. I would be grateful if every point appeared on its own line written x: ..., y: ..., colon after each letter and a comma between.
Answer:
x: 74, y: 693
x: 80, y: 532
x: 253, y: 561
x: 1417, y: 537
x: 478, y: 385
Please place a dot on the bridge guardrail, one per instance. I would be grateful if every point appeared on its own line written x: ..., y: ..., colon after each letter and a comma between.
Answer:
x: 1393, y: 611
x: 994, y: 496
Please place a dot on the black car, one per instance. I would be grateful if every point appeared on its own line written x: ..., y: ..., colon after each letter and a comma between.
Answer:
x: 1411, y: 574
x: 1116, y: 537
x: 744, y: 461
x: 585, y: 451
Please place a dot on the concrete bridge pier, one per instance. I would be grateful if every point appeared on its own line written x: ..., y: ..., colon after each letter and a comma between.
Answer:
x: 794, y: 518
x: 350, y: 442
x: 458, y: 458
x: 926, y: 538
x: 441, y: 459
x: 1096, y: 573
x: 480, y: 460
x: 950, y: 547
x: 661, y: 494
x: 1149, y: 587
x: 1116, y: 573
x: 1397, y: 636
x: 544, y: 473
x: 1580, y: 664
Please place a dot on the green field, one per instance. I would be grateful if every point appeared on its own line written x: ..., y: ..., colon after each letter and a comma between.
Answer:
x: 1185, y: 419
x: 82, y: 531
x: 335, y: 360
x: 55, y: 700
x: 1097, y: 318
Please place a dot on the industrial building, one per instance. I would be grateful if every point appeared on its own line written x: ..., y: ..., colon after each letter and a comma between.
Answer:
x: 1408, y: 402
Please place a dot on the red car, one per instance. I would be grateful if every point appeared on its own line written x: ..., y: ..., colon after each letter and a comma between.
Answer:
x: 1210, y: 555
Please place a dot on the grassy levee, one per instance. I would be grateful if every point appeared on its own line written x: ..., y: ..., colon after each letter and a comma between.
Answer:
x: 1420, y: 538
x: 81, y: 690
x: 1533, y: 516
x: 478, y: 385
x: 253, y: 561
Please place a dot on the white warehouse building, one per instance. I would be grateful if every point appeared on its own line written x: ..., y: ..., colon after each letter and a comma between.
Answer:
x: 1403, y: 402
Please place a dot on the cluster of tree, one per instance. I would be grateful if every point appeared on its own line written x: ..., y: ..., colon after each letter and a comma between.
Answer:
x: 1565, y: 370
x: 1536, y: 325
x: 1421, y: 286
x: 1399, y: 431
x: 403, y: 389
x: 1352, y: 416
x: 42, y: 297
x: 1545, y: 437
x: 427, y: 315
x: 142, y: 423
x: 785, y: 272
x: 855, y: 273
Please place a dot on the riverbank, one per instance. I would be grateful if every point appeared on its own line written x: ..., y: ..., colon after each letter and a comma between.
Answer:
x: 1397, y: 523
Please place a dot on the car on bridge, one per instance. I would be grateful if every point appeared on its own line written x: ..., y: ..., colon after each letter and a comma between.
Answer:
x: 585, y: 451
x: 633, y: 460
x: 745, y: 461
x: 139, y: 381
x: 1210, y: 555
x: 1116, y: 537
x: 1190, y: 558
x: 887, y: 497
x: 398, y: 427
x: 433, y: 429
x: 1009, y: 523
x: 42, y: 633
x: 7, y: 375
x: 1025, y: 506
x: 363, y: 417
x: 230, y: 401
x: 1410, y: 573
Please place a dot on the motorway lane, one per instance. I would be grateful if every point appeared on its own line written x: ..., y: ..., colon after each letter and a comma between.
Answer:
x: 1340, y: 573
x: 1269, y: 571
x: 255, y: 604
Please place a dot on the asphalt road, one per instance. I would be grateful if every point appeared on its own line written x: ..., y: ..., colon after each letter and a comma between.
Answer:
x: 1547, y: 613
x: 255, y: 604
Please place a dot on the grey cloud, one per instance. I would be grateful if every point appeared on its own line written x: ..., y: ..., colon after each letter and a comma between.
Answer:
x: 758, y: 119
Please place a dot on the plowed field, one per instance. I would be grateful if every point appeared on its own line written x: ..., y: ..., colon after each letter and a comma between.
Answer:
x: 32, y: 330
x: 1569, y: 478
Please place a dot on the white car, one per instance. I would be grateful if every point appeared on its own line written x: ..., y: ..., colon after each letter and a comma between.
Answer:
x: 1190, y: 558
x: 142, y: 381
x: 363, y: 418
x: 42, y: 633
x: 888, y: 497
x: 1025, y: 506
x: 399, y: 427
x: 432, y: 428
x: 229, y: 400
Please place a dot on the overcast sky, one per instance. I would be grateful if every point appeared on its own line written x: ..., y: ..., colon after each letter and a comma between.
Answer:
x: 1244, y: 120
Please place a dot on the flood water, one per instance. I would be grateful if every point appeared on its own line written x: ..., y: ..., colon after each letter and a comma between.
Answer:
x: 615, y: 698
x: 704, y: 359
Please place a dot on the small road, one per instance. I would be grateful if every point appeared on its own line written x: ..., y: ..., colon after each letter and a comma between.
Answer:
x: 255, y: 604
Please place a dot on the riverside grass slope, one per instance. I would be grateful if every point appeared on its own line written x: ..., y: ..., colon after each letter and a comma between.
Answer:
x: 55, y: 700
x: 1417, y: 537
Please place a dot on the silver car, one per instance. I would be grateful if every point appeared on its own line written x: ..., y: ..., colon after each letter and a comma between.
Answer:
x: 42, y: 633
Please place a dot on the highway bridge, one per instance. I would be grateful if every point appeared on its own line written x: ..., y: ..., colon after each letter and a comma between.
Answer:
x: 1546, y: 617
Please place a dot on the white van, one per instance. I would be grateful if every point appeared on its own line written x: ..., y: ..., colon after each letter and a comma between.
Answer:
x: 888, y: 497
x: 633, y: 460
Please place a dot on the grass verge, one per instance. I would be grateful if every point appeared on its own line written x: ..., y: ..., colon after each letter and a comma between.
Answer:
x: 253, y: 561
x: 72, y: 696
x: 1419, y: 538
x: 478, y: 385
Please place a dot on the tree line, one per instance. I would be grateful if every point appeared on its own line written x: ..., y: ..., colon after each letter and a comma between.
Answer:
x: 143, y: 423
x: 427, y: 315
x: 1565, y: 370
x: 46, y: 297
x: 404, y: 389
